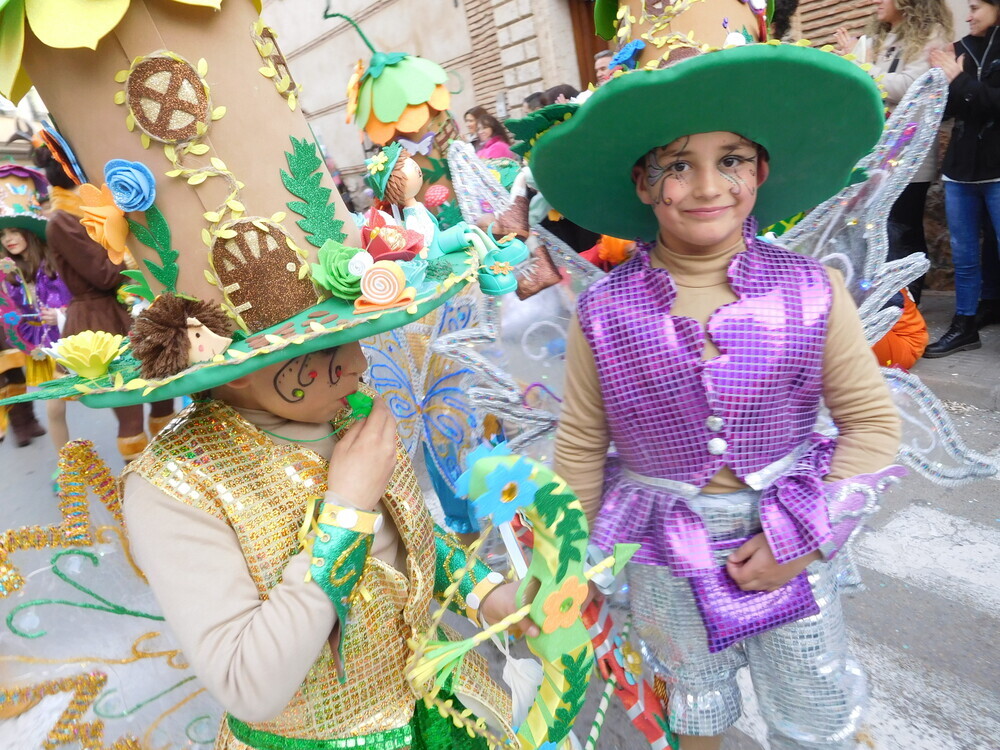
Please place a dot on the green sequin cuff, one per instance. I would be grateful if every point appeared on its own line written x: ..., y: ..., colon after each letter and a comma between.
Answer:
x: 338, y: 559
x: 390, y: 739
x: 475, y: 585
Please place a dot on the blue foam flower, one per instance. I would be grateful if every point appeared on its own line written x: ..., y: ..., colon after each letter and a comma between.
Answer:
x: 508, y: 489
x: 484, y: 450
x: 12, y: 318
x: 132, y: 184
x: 626, y: 56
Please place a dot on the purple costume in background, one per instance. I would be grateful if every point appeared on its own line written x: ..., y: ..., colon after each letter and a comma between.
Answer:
x: 48, y: 292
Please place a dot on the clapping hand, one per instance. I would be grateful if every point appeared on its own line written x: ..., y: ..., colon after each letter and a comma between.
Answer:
x: 944, y: 58
x: 845, y: 42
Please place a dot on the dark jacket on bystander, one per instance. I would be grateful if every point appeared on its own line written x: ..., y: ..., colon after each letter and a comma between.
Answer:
x: 974, y: 102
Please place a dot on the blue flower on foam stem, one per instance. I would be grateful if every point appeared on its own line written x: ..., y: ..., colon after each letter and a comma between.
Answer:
x: 508, y: 488
x: 628, y: 55
x: 132, y: 184
x: 485, y: 450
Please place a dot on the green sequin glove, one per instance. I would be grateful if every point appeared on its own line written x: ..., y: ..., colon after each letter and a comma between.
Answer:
x: 339, y: 551
x: 476, y: 583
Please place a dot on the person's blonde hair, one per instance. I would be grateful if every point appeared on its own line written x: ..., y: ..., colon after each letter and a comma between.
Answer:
x: 923, y: 21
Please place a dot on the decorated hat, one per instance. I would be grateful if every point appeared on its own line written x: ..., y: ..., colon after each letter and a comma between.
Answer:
x: 20, y: 188
x: 185, y: 116
x: 379, y: 168
x: 690, y: 68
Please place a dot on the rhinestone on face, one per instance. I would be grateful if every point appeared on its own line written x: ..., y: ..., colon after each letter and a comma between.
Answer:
x: 715, y: 424
x: 717, y: 446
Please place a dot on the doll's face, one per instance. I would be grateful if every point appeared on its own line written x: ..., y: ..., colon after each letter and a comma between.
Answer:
x: 310, y: 388
x: 414, y: 178
x: 13, y: 241
x: 982, y: 17
x: 701, y: 188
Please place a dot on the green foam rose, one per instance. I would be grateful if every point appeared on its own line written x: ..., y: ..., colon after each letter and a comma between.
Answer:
x: 332, y: 271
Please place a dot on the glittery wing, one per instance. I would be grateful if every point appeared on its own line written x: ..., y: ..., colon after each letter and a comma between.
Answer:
x: 849, y: 231
x: 393, y: 371
x: 85, y: 650
x: 10, y: 316
x: 477, y: 187
x: 931, y: 444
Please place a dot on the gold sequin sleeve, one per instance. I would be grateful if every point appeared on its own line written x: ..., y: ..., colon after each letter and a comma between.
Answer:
x: 252, y: 655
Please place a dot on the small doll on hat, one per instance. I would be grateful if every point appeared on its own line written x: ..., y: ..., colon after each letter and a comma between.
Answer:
x: 706, y: 357
x: 34, y: 297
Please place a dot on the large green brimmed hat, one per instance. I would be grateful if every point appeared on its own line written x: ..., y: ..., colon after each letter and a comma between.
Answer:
x: 815, y: 113
x: 19, y: 199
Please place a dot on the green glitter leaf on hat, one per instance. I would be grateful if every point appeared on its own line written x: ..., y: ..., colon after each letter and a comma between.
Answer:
x: 304, y: 180
x: 156, y: 235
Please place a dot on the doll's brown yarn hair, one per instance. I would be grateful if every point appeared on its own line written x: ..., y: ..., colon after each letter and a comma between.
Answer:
x: 396, y: 184
x: 159, y: 335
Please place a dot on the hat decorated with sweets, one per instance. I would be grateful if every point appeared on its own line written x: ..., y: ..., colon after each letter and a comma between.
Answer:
x: 20, y: 208
x: 212, y: 179
x: 686, y: 68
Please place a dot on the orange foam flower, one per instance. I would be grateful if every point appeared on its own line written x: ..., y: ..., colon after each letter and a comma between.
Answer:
x: 104, y: 221
x: 562, y: 606
x: 353, y: 87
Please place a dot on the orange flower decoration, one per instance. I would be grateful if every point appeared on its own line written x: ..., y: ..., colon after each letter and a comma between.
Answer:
x: 353, y: 88
x: 562, y: 606
x: 104, y: 221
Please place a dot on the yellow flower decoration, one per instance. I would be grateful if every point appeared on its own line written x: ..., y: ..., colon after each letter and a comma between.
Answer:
x: 89, y: 353
x: 562, y: 606
x: 353, y: 88
x: 104, y: 221
x: 377, y: 163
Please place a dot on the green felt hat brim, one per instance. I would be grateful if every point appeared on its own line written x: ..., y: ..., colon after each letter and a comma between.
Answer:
x: 24, y: 221
x: 816, y: 114
x: 242, y: 359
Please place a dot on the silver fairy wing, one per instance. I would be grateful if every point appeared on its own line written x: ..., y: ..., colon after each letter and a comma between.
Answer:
x: 849, y: 231
x: 477, y: 188
x: 931, y: 445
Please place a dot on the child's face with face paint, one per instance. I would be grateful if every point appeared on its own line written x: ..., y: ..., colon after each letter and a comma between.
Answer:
x: 702, y: 188
x: 310, y: 388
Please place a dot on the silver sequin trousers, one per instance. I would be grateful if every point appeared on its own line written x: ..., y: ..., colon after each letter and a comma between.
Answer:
x: 811, y: 692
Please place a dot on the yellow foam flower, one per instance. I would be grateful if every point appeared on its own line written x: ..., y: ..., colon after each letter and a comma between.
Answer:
x: 89, y: 353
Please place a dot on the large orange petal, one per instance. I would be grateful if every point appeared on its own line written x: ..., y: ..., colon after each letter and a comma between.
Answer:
x: 90, y: 195
x: 379, y: 132
x: 115, y: 234
x: 440, y: 99
x: 413, y: 118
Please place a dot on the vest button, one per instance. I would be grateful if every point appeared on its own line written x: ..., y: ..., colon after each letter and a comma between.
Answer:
x: 717, y: 446
x: 715, y: 424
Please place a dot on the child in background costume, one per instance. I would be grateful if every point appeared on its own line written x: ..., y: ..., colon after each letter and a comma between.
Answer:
x: 32, y: 286
x: 705, y: 359
x: 93, y: 280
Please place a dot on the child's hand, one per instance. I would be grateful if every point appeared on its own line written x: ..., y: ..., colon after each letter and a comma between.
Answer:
x: 501, y: 602
x: 364, y: 458
x: 754, y: 568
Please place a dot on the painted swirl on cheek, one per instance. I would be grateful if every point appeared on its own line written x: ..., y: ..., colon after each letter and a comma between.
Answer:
x: 291, y: 381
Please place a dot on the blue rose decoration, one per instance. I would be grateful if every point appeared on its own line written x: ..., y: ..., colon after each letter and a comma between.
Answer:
x: 627, y: 55
x: 132, y: 184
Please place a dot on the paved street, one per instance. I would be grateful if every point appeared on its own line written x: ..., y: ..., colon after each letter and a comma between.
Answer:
x: 925, y: 629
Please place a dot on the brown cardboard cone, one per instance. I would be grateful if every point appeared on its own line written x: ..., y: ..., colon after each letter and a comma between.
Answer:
x: 700, y: 21
x: 79, y: 87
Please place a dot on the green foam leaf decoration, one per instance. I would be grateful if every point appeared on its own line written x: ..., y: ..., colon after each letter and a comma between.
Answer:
x: 577, y: 674
x: 140, y: 287
x: 437, y: 171
x: 304, y: 181
x: 364, y: 102
x: 605, y: 15
x: 449, y: 215
x: 157, y: 237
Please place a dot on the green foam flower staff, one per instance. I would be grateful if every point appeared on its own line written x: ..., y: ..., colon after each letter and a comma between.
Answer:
x: 499, y: 486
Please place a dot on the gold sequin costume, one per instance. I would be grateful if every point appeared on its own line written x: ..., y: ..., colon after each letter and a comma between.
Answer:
x: 216, y: 461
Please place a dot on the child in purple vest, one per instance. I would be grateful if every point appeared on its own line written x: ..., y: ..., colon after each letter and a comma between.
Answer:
x: 705, y: 359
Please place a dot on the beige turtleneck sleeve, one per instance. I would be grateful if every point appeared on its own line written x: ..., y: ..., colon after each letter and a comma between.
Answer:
x: 853, y: 389
x: 252, y: 655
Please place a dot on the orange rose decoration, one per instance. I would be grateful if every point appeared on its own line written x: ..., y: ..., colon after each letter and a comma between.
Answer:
x: 104, y: 221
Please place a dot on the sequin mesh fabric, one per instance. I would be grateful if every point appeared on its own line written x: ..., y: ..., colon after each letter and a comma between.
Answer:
x: 214, y: 460
x: 811, y: 693
x: 676, y: 420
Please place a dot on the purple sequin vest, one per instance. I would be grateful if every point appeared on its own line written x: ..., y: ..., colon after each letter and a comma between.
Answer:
x: 676, y: 420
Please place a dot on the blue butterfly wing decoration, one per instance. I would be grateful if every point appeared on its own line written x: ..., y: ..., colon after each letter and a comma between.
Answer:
x: 428, y: 395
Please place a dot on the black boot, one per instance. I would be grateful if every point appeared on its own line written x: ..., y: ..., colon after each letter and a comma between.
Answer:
x: 988, y: 313
x: 961, y: 336
x: 24, y: 424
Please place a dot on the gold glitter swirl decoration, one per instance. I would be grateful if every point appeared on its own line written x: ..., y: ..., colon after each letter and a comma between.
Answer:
x: 80, y: 468
x: 69, y: 728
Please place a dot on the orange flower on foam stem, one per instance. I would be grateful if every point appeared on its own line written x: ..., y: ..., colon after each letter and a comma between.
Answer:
x: 104, y: 221
x: 562, y: 606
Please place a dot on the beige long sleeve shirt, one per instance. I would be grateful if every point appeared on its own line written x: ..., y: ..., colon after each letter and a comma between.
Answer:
x: 252, y: 655
x: 853, y: 389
